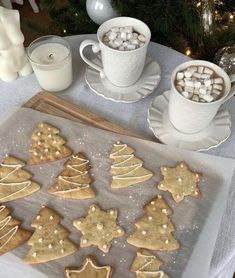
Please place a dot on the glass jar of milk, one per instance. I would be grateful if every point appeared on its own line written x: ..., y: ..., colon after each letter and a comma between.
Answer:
x: 51, y: 59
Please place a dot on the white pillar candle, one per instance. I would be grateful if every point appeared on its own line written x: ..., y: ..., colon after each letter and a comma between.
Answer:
x: 52, y: 63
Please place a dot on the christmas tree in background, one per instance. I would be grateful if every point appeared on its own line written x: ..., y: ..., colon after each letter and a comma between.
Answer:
x: 197, y: 28
x: 50, y: 239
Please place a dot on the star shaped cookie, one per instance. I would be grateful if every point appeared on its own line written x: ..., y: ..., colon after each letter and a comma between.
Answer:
x: 89, y: 269
x: 180, y: 181
x: 98, y: 228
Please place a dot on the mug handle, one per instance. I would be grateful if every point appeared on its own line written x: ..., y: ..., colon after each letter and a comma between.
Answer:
x: 95, y: 48
x: 232, y: 91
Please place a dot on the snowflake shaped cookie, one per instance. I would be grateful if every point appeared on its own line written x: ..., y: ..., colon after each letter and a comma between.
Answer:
x: 98, y: 228
x: 180, y: 181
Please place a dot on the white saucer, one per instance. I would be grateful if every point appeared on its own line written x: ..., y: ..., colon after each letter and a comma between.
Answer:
x: 216, y: 133
x: 148, y: 81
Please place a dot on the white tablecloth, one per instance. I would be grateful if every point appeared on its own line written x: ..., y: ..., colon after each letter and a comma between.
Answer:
x: 134, y: 117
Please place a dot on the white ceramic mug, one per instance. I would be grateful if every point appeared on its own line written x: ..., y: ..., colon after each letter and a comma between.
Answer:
x: 122, y: 68
x: 189, y: 116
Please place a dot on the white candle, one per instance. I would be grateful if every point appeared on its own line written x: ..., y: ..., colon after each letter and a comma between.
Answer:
x: 52, y: 64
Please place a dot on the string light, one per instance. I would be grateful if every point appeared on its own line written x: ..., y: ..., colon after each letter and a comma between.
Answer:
x: 188, y: 51
x: 65, y: 31
x: 199, y: 4
x: 76, y: 14
x: 231, y: 16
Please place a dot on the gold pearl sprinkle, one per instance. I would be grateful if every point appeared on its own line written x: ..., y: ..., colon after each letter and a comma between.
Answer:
x: 54, y: 142
x: 144, y: 232
x: 38, y: 217
x: 51, y: 217
x: 93, y: 208
x: 40, y: 239
x: 178, y: 196
x: 62, y: 251
x: 35, y: 254
x: 161, y: 185
x: 159, y: 196
x: 167, y: 241
x: 111, y: 212
x: 49, y: 246
x: 150, y: 218
x: 179, y: 179
x: 39, y: 143
x: 46, y: 150
x: 39, y: 133
x: 195, y: 192
x: 105, y: 246
x: 164, y: 168
x: 40, y: 227
x: 84, y: 240
x: 41, y: 157
x: 55, y: 232
x: 164, y: 226
x: 182, y: 165
x: 61, y: 241
x: 152, y: 203
x: 164, y: 210
x: 35, y: 153
x: 57, y: 152
x: 99, y: 226
x: 49, y: 135
x: 119, y: 231
x: 41, y: 125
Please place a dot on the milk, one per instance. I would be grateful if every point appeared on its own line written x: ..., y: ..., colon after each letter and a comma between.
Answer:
x: 52, y: 64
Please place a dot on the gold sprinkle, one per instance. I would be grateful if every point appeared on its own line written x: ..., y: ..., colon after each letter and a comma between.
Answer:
x: 38, y: 217
x: 61, y: 241
x: 49, y: 128
x: 62, y: 251
x: 144, y: 232
x: 46, y: 150
x: 39, y: 133
x: 40, y: 227
x: 55, y: 232
x: 41, y: 157
x: 119, y: 231
x: 164, y: 226
x: 152, y: 203
x: 159, y: 196
x: 49, y: 246
x: 167, y: 241
x: 182, y: 165
x: 180, y: 179
x: 164, y: 169
x: 161, y: 185
x: 54, y: 142
x: 35, y: 254
x: 150, y: 218
x: 100, y: 226
x: 57, y: 152
x: 40, y: 239
x: 39, y: 143
x: 111, y: 212
x: 41, y: 125
x: 78, y: 222
x: 105, y: 246
x: 93, y: 208
x: 49, y: 135
x: 84, y: 240
x: 35, y: 153
x: 195, y: 192
x: 51, y: 217
x: 178, y: 196
x: 164, y: 210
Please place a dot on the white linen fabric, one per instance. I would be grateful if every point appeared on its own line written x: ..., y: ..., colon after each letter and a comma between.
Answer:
x: 134, y: 117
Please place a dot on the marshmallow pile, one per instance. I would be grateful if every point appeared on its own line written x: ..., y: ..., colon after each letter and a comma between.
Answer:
x: 200, y: 84
x: 124, y: 38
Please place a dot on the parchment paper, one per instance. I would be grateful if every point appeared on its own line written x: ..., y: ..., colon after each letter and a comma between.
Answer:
x: 196, y: 220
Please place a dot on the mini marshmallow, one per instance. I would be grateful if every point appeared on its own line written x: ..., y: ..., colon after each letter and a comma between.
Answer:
x: 189, y: 83
x: 180, y: 82
x: 112, y: 36
x: 112, y: 44
x: 135, y: 35
x: 188, y: 89
x: 197, y: 84
x: 195, y: 98
x: 208, y: 98
x: 201, y: 100
x: 125, y: 44
x: 128, y: 29
x: 207, y: 82
x: 118, y: 42
x: 197, y: 75
x: 142, y: 38
x: 202, y: 91
x: 215, y: 96
x: 185, y: 94
x: 105, y: 39
x: 218, y: 80
x: 129, y: 36
x: 217, y: 92
x: 131, y: 46
x: 123, y: 36
x: 141, y: 44
x: 192, y: 69
x: 115, y: 29
x: 218, y: 87
x: 121, y: 48
x: 179, y: 75
x: 208, y: 71
x: 187, y: 73
x: 135, y: 41
x: 205, y: 76
x: 200, y: 69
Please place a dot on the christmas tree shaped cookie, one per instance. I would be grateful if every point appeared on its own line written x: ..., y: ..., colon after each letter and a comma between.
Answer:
x: 127, y: 169
x: 180, y: 182
x: 74, y: 182
x: 15, y: 182
x: 146, y: 265
x: 89, y: 270
x: 98, y: 228
x: 11, y: 235
x: 50, y: 239
x: 154, y: 229
x: 47, y: 145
